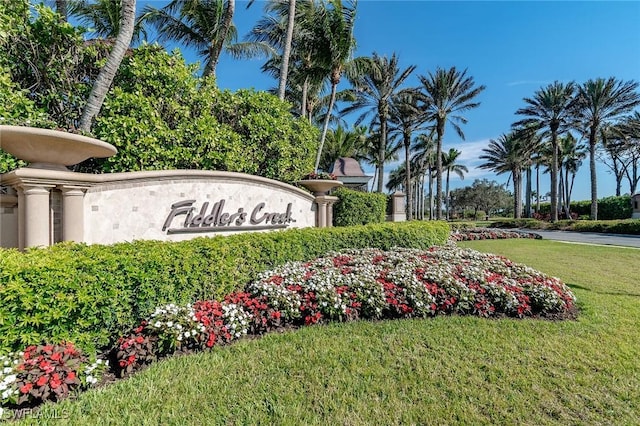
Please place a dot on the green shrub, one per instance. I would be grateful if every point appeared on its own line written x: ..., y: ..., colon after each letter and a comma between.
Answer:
x: 520, y: 223
x: 627, y: 226
x: 92, y: 294
x: 462, y: 225
x: 160, y: 116
x: 609, y: 208
x: 359, y: 208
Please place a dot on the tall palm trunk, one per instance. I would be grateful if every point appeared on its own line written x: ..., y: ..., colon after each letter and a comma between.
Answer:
x: 554, y: 174
x: 446, y: 199
x: 382, y: 147
x: 286, y: 54
x: 440, y: 131
x: 537, y: 188
x: 218, y: 43
x: 422, y: 186
x: 592, y: 169
x: 561, y: 190
x: 108, y: 72
x: 527, y: 207
x: 517, y: 193
x: 431, y: 193
x: 325, y: 127
x: 61, y: 8
x: 407, y: 164
x: 303, y: 102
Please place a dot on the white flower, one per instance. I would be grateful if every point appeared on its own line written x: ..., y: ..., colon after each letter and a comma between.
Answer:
x: 10, y: 379
x: 170, y: 324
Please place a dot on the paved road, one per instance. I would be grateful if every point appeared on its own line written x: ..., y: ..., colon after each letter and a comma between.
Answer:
x: 589, y: 237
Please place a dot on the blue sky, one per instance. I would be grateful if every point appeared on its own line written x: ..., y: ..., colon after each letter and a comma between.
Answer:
x: 512, y: 47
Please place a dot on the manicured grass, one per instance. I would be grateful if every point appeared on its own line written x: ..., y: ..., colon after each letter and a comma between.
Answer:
x: 447, y: 370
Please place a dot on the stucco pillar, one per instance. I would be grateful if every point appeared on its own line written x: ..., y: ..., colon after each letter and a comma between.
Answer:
x: 37, y: 218
x: 321, y: 218
x: 21, y: 218
x: 325, y: 210
x: 72, y: 213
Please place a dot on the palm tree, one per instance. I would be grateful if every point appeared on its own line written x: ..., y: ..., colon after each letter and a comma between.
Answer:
x: 425, y: 159
x: 508, y: 154
x: 289, y: 31
x: 373, y: 92
x: 343, y: 143
x: 286, y: 54
x: 446, y: 94
x: 552, y: 108
x: 108, y: 72
x: 534, y: 144
x: 450, y: 164
x: 405, y: 119
x: 571, y: 154
x: 370, y: 154
x: 103, y: 17
x: 337, y: 22
x: 206, y: 25
x: 629, y: 130
x: 601, y: 101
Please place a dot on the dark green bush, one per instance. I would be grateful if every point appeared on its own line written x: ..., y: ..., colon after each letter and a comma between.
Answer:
x: 92, y: 294
x: 627, y: 226
x: 609, y: 208
x: 359, y: 208
x: 520, y: 223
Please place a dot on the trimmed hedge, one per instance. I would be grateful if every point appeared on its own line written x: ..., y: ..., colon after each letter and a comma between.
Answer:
x: 91, y: 294
x: 627, y: 226
x: 358, y: 208
x: 609, y: 208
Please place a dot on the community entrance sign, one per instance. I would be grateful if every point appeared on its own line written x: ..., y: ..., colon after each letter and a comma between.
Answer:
x: 46, y: 203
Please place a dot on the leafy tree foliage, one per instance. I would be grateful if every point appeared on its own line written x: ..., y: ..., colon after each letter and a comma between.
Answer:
x: 481, y: 195
x: 162, y: 116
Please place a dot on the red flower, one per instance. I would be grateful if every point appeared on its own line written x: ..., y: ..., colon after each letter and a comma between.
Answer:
x: 71, y: 375
x: 139, y: 339
x: 43, y: 380
x: 57, y: 356
x: 26, y: 388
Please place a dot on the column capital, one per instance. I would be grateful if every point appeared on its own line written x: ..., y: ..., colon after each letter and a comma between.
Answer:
x: 73, y: 190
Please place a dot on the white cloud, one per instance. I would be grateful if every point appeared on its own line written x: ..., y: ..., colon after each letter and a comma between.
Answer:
x: 527, y: 82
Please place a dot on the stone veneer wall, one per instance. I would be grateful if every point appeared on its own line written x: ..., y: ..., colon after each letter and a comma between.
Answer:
x: 41, y: 206
x: 132, y: 210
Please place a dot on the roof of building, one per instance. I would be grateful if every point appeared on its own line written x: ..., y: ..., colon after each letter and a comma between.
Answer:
x: 346, y: 166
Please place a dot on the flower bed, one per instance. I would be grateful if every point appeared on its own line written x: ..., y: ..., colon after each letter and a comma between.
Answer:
x: 470, y: 234
x: 345, y: 286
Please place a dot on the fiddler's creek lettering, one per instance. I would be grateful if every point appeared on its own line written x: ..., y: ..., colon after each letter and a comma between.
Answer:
x: 216, y: 219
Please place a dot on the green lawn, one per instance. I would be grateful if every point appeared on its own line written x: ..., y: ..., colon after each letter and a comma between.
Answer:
x: 447, y: 370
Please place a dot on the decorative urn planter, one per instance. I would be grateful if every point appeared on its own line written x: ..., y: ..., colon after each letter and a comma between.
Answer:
x: 51, y: 149
x: 320, y: 186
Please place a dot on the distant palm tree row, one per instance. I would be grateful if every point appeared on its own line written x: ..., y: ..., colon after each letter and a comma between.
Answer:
x: 598, y: 111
